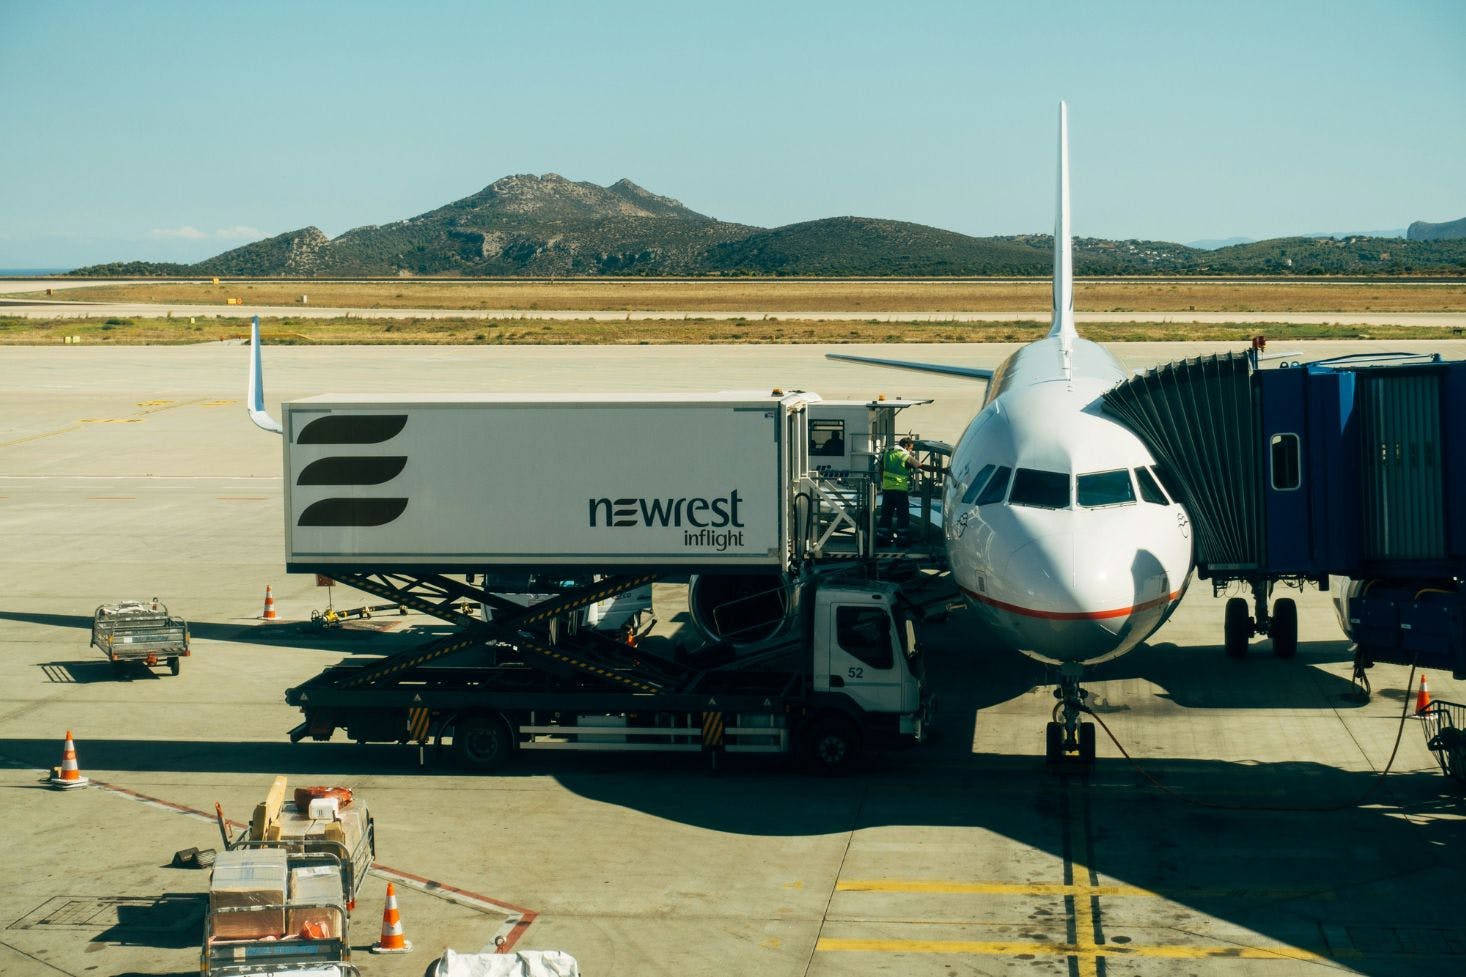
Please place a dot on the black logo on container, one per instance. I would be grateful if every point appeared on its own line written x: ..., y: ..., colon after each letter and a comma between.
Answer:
x: 713, y: 523
x: 349, y: 470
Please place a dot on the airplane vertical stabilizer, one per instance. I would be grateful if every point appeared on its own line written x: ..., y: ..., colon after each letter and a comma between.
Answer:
x: 1063, y: 248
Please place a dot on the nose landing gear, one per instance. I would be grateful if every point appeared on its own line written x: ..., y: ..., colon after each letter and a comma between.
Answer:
x: 1068, y: 741
x: 1282, y: 625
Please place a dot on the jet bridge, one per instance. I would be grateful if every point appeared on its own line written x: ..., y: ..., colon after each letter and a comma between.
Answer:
x: 1352, y: 467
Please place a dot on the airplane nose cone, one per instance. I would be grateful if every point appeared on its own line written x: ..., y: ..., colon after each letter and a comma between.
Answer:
x: 1078, y: 598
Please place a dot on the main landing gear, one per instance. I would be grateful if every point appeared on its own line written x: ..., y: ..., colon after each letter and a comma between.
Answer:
x: 1282, y: 625
x: 1067, y: 739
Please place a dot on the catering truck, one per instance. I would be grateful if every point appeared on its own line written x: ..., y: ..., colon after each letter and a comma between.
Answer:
x: 434, y: 501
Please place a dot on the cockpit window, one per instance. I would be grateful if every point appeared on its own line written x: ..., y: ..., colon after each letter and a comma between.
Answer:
x: 1105, y: 488
x: 996, y: 488
x: 1168, y: 480
x: 1042, y: 490
x: 977, y: 484
x: 1149, y: 490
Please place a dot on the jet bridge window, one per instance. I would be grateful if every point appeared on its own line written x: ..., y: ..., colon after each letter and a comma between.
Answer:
x: 1285, y: 462
x: 1150, y: 490
x: 996, y: 488
x: 1040, y: 489
x: 1104, y: 488
x: 865, y: 632
x: 827, y: 439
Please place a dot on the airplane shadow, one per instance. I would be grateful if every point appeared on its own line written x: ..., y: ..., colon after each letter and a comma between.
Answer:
x: 1199, y: 677
x: 1299, y: 852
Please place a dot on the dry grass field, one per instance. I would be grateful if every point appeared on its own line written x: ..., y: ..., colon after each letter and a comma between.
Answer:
x: 517, y: 331
x: 773, y: 296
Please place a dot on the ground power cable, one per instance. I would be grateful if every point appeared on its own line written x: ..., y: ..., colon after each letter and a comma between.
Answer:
x: 1283, y: 808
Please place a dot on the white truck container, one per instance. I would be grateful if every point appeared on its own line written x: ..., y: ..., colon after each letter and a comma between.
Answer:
x: 457, y: 483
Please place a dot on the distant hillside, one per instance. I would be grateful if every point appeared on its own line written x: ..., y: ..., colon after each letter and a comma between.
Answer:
x: 547, y: 225
x: 841, y: 246
x: 1341, y: 256
x: 1449, y: 231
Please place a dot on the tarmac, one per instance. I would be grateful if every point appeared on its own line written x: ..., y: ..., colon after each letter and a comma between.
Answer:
x: 1251, y: 831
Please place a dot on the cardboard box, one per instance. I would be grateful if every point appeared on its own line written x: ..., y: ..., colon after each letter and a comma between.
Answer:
x: 314, y: 884
x: 253, y: 881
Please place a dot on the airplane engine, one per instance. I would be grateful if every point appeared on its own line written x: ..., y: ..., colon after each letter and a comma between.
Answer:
x: 744, y: 610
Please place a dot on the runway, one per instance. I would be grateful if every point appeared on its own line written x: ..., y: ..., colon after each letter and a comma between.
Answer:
x: 133, y: 471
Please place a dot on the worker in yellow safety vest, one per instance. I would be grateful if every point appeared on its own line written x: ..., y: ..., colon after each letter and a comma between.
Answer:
x: 898, y: 464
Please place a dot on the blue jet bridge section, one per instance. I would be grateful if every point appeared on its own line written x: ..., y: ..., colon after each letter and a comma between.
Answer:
x: 1349, y: 473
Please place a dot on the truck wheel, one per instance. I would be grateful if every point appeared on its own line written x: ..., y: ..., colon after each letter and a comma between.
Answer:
x: 174, y: 667
x: 1284, y: 630
x: 1236, y: 628
x: 482, y: 741
x: 831, y: 745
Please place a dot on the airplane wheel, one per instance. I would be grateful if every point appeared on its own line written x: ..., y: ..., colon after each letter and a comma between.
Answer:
x: 1237, y: 628
x: 1054, y: 742
x: 1086, y: 742
x: 1285, y: 628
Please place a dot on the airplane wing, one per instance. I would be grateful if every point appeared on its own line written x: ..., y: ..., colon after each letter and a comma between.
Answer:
x: 971, y: 372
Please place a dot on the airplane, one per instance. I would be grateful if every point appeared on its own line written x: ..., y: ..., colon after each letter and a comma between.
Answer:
x: 1059, y: 528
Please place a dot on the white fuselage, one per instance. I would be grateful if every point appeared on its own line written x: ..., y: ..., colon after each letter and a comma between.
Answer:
x: 1057, y: 530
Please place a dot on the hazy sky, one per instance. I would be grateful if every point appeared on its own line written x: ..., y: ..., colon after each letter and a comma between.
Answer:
x: 173, y: 131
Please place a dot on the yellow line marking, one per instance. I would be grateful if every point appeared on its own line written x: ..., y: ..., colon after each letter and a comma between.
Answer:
x: 154, y: 403
x: 1085, y: 947
x: 936, y: 887
x: 1086, y: 954
x: 993, y: 888
x: 111, y: 420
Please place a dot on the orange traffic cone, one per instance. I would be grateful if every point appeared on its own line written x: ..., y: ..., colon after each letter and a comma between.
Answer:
x: 269, y: 612
x: 392, y: 939
x: 68, y: 775
x: 1422, y: 698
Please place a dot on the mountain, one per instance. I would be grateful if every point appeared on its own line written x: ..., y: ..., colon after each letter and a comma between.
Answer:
x: 1449, y: 231
x: 519, y: 225
x: 545, y: 226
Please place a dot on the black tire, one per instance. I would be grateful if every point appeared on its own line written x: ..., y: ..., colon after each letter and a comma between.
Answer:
x: 1086, y: 743
x: 831, y: 746
x: 174, y: 666
x: 1054, y: 742
x: 482, y: 741
x: 1285, y: 628
x: 1237, y: 628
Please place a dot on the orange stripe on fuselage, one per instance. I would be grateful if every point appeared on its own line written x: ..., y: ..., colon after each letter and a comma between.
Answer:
x: 1072, y: 615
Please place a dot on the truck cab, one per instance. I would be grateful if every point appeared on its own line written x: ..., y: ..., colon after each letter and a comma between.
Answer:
x: 866, y: 672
